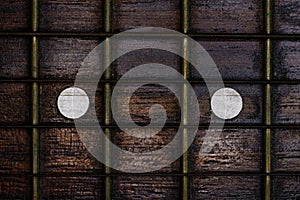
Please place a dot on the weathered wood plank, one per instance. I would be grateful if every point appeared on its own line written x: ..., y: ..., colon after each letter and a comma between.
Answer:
x: 71, y: 15
x: 14, y: 103
x: 235, y: 59
x: 226, y: 187
x: 146, y: 187
x: 17, y: 187
x: 14, y: 15
x: 14, y: 57
x: 60, y: 58
x: 286, y: 187
x: 236, y: 150
x: 286, y: 60
x: 287, y: 16
x: 129, y: 14
x: 237, y: 16
x: 286, y: 107
x: 71, y: 188
x: 286, y: 150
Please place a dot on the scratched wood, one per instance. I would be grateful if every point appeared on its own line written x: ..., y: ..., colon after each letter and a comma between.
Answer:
x: 142, y: 143
x: 226, y: 187
x: 14, y: 57
x: 49, y: 112
x: 129, y: 14
x: 237, y: 16
x: 286, y: 150
x: 14, y: 103
x: 286, y: 104
x: 63, y: 152
x: 71, y: 15
x: 15, y: 187
x: 286, y: 16
x: 14, y: 15
x: 286, y: 60
x: 146, y: 187
x: 252, y: 104
x: 79, y: 187
x: 235, y: 59
x: 286, y: 187
x: 60, y: 58
x: 236, y: 150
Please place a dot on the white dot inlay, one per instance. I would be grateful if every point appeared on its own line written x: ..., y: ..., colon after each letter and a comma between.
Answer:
x: 226, y: 103
x: 73, y: 102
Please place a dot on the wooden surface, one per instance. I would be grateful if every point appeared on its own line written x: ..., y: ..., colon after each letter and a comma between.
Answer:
x: 226, y: 187
x: 146, y: 187
x: 286, y: 60
x: 287, y: 16
x: 236, y: 150
x: 15, y: 15
x: 286, y: 150
x: 71, y: 15
x: 286, y: 104
x: 14, y: 59
x: 237, y: 16
x: 129, y: 14
x: 286, y: 187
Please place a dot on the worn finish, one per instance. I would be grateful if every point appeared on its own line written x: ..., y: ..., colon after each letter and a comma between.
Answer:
x: 235, y: 59
x: 226, y: 187
x: 286, y: 150
x: 61, y: 151
x: 144, y: 98
x: 70, y: 15
x: 146, y: 187
x: 237, y: 150
x: 237, y: 16
x: 252, y: 98
x: 14, y: 103
x: 146, y: 144
x: 129, y: 14
x: 15, y: 187
x: 71, y: 188
x: 286, y: 187
x: 60, y: 58
x: 286, y: 16
x: 286, y: 60
x: 14, y: 15
x: 49, y: 112
x: 14, y: 57
x: 286, y: 100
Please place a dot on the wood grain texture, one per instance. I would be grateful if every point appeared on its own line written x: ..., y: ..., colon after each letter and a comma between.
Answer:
x: 235, y: 59
x: 286, y: 107
x: 14, y: 15
x: 237, y: 16
x: 286, y: 150
x: 14, y: 151
x: 236, y: 150
x: 71, y: 188
x: 287, y: 16
x: 146, y: 187
x: 14, y: 103
x: 49, y: 112
x: 17, y: 187
x: 286, y: 60
x: 226, y: 187
x: 129, y: 14
x: 146, y: 144
x: 63, y: 152
x: 251, y: 112
x: 71, y: 15
x: 143, y: 99
x: 14, y: 57
x: 60, y: 58
x: 286, y: 187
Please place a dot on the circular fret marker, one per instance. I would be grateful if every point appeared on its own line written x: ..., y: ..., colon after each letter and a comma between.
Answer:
x: 73, y: 102
x: 226, y: 103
